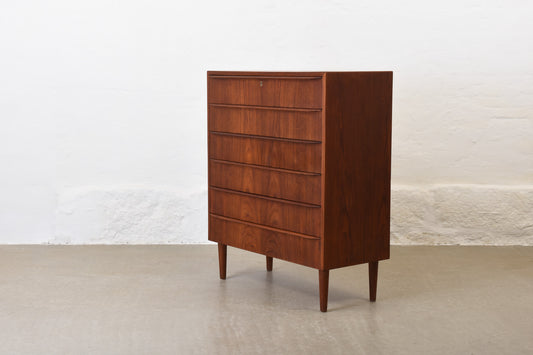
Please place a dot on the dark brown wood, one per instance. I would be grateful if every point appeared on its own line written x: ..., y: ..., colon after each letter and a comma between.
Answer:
x: 277, y: 243
x: 357, y: 165
x: 222, y: 257
x: 283, y: 184
x: 299, y: 167
x: 272, y: 152
x: 292, y: 216
x: 271, y: 121
x: 373, y: 279
x: 269, y: 261
x: 285, y: 74
x: 303, y: 92
x: 323, y: 286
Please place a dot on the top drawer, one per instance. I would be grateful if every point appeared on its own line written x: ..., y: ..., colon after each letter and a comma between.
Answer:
x: 300, y: 92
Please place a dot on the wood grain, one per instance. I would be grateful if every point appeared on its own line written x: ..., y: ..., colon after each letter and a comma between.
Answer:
x: 299, y: 167
x: 222, y: 257
x: 323, y: 285
x: 265, y: 91
x: 281, y: 184
x: 357, y: 163
x: 285, y: 123
x: 285, y: 74
x: 295, y: 217
x: 277, y: 153
x: 285, y: 246
x: 373, y: 279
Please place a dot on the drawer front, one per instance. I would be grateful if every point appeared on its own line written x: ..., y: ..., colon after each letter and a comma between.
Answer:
x: 304, y: 92
x: 294, y: 217
x: 267, y: 241
x: 286, y: 123
x: 292, y: 186
x: 277, y: 153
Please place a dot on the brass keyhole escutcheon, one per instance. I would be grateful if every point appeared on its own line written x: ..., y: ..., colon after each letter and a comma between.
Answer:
x: 261, y: 83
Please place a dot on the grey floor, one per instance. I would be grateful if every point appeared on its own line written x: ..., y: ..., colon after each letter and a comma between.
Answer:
x: 169, y: 300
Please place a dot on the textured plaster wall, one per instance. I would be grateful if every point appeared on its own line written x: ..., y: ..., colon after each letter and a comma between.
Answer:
x: 103, y: 114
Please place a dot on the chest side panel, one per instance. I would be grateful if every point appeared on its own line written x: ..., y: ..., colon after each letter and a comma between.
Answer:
x: 357, y: 163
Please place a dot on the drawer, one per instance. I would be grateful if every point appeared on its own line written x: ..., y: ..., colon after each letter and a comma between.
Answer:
x: 304, y: 92
x: 277, y: 153
x: 283, y: 123
x: 294, y: 186
x: 292, y: 216
x: 268, y: 241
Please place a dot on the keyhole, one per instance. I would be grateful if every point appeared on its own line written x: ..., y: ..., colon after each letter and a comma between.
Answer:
x: 261, y: 83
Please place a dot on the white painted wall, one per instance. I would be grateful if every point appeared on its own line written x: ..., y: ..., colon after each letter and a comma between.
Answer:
x: 103, y: 110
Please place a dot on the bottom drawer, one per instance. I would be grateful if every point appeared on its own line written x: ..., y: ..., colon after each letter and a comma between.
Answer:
x: 266, y: 241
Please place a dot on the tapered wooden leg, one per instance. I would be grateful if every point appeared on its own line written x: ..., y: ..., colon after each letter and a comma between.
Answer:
x: 373, y: 279
x: 269, y: 263
x: 222, y: 252
x: 323, y: 281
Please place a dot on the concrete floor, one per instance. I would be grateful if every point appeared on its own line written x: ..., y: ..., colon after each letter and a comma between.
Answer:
x: 169, y: 300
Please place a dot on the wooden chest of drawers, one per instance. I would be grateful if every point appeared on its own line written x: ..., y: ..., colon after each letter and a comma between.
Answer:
x: 299, y: 168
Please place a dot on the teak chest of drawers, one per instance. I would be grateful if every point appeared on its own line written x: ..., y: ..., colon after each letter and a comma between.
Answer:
x: 299, y: 168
